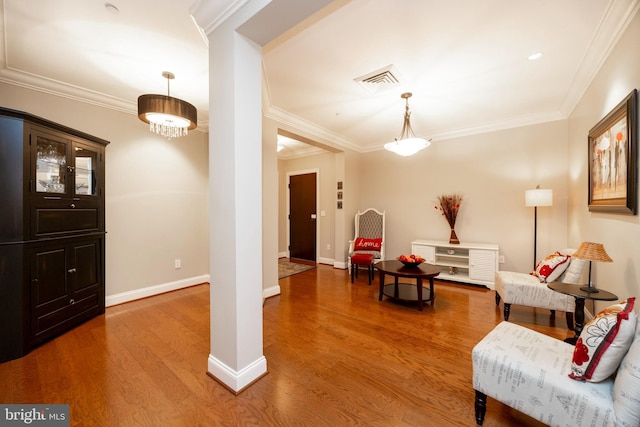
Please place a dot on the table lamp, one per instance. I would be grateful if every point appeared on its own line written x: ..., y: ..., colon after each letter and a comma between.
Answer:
x: 591, y: 252
x: 537, y: 197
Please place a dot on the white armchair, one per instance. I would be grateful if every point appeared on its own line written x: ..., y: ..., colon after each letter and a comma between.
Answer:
x: 528, y: 371
x: 525, y: 289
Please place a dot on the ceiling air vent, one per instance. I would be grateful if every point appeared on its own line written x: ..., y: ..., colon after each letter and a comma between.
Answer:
x: 379, y: 80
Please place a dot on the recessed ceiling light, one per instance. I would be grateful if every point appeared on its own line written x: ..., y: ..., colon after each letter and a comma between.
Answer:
x: 534, y: 56
x: 112, y: 8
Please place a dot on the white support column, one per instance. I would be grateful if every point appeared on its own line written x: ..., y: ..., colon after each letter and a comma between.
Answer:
x: 235, y: 177
x: 235, y: 159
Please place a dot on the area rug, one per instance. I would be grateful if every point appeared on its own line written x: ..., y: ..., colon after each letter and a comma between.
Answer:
x: 288, y: 268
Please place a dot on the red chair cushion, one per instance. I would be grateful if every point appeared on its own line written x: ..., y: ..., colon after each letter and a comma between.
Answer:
x: 362, y: 259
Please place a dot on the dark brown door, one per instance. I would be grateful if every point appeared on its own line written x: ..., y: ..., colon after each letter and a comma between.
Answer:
x: 302, y: 216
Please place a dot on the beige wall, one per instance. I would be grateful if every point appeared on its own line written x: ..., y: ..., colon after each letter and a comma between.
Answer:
x: 619, y: 233
x: 492, y: 171
x: 156, y: 194
x: 270, y: 208
x: 336, y: 227
x: 351, y: 189
x: 324, y: 163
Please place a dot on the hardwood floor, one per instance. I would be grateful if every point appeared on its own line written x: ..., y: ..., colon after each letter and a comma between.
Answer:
x: 336, y: 357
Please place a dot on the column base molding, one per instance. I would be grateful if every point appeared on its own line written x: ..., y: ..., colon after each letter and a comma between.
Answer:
x: 236, y: 381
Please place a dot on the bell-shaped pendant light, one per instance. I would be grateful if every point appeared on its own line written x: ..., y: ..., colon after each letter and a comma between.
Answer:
x: 167, y: 116
x: 408, y: 144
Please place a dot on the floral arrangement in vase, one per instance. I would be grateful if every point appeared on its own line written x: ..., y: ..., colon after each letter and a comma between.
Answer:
x: 449, y: 205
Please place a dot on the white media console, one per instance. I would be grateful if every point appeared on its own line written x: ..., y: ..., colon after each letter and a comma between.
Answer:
x: 474, y: 263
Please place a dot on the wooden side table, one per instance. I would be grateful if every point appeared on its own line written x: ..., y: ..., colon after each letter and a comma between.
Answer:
x: 580, y: 295
x: 406, y: 291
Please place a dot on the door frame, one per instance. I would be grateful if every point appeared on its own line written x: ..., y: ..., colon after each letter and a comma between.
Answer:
x: 288, y: 207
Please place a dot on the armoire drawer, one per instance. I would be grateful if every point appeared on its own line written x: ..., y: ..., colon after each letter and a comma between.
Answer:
x: 51, y: 221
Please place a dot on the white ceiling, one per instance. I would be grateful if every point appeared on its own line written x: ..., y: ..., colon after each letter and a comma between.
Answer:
x: 465, y: 61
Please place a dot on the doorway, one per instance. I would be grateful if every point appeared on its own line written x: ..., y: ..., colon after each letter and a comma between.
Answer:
x: 303, y: 219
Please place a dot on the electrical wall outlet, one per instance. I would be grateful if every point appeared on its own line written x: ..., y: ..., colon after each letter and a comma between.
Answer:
x: 328, y: 246
x: 177, y: 263
x: 501, y: 259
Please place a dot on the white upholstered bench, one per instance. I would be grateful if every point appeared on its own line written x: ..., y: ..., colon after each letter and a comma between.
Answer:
x: 528, y: 371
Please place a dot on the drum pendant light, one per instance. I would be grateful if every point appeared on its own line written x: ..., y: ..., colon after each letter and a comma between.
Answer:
x: 167, y: 116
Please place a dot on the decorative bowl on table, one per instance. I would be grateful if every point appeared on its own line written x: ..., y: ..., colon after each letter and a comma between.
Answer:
x: 411, y: 260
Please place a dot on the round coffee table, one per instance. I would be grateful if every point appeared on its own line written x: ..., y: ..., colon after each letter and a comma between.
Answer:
x: 406, y: 291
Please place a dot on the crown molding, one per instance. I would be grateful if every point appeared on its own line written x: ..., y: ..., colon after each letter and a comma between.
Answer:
x: 619, y: 15
x: 301, y: 153
x: 528, y: 120
x: 313, y: 131
x: 335, y: 140
x: 60, y: 89
x: 64, y: 90
x: 209, y: 15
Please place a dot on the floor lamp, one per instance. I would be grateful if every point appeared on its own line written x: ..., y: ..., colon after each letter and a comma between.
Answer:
x: 537, y: 197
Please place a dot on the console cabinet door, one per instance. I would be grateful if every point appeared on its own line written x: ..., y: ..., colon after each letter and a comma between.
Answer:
x: 426, y: 252
x: 482, y: 264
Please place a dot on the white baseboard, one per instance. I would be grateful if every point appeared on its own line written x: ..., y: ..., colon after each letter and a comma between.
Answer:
x: 154, y: 290
x: 587, y: 315
x: 237, y: 380
x: 271, y: 292
x: 321, y: 260
x: 341, y: 265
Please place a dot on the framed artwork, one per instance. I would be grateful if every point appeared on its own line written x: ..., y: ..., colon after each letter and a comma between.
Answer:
x: 613, y: 163
x: 339, y: 195
x: 339, y: 185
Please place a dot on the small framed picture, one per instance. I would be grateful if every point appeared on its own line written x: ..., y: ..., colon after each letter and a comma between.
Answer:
x: 339, y: 195
x: 339, y: 204
x: 339, y: 185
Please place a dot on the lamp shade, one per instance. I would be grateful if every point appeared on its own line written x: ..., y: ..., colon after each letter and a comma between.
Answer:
x: 408, y: 144
x: 163, y: 110
x: 166, y: 115
x: 592, y: 252
x: 538, y: 197
x: 407, y: 147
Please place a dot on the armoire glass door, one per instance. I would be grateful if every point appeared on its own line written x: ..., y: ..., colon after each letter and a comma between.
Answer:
x: 86, y: 162
x: 51, y: 164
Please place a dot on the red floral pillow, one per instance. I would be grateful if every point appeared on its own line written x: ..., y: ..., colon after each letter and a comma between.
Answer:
x: 363, y: 244
x: 551, y: 267
x: 603, y: 342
